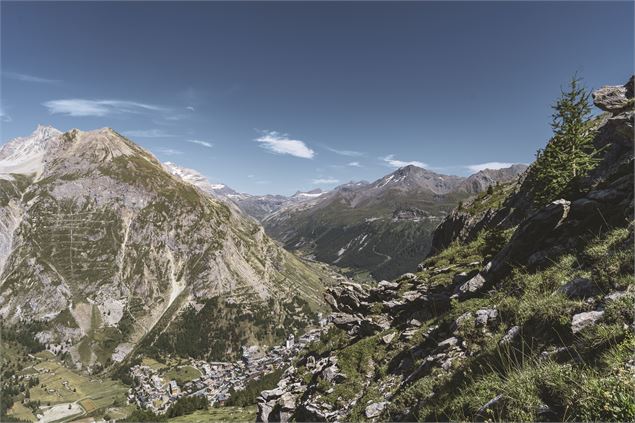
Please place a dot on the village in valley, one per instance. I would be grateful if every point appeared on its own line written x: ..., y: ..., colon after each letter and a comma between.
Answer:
x: 156, y: 390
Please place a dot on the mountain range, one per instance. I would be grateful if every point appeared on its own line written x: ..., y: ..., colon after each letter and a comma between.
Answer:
x: 379, y: 229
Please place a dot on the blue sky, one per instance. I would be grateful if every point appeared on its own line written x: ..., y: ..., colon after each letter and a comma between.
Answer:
x: 276, y: 97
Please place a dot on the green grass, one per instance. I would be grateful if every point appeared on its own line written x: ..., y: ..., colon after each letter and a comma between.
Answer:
x: 182, y: 374
x: 220, y: 414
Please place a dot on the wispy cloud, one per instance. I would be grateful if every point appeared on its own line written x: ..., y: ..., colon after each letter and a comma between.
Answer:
x: 354, y: 164
x: 190, y: 108
x: 148, y: 133
x: 281, y: 144
x: 4, y: 117
x: 392, y: 162
x: 325, y: 181
x: 84, y: 107
x: 489, y: 165
x: 168, y: 151
x: 29, y: 78
x: 349, y: 153
x: 203, y: 143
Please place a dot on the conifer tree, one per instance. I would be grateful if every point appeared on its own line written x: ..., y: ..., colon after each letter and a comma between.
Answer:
x: 570, y: 154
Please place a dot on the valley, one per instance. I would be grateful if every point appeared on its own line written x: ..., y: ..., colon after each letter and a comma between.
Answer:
x: 236, y: 211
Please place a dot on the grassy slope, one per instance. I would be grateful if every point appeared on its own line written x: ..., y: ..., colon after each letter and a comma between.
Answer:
x: 591, y: 380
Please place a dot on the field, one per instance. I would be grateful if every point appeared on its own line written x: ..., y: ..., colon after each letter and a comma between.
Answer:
x: 224, y: 414
x: 60, y: 387
x: 182, y: 374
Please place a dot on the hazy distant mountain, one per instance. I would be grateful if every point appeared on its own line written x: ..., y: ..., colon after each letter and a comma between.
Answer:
x: 101, y: 242
x: 381, y: 227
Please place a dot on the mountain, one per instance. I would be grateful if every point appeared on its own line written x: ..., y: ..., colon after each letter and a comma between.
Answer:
x: 383, y: 227
x: 524, y: 314
x: 256, y: 206
x: 105, y: 252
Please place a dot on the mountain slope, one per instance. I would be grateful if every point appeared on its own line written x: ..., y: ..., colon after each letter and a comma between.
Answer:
x: 529, y: 318
x: 102, y: 243
x: 383, y: 227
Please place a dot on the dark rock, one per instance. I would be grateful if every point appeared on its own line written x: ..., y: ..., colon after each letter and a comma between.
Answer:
x: 579, y: 288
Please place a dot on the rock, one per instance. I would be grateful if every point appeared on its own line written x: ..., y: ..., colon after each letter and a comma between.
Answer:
x: 486, y: 316
x: 375, y: 409
x: 310, y: 362
x: 530, y: 237
x: 471, y: 287
x: 581, y: 321
x: 449, y: 343
x: 511, y: 336
x: 460, y: 277
x: 407, y: 277
x: 614, y: 98
x: 415, y: 323
x: 579, y: 288
x: 388, y: 338
x: 489, y: 405
x: 615, y: 295
x: 388, y: 285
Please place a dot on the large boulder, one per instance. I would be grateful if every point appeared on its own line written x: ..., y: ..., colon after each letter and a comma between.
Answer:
x: 614, y: 98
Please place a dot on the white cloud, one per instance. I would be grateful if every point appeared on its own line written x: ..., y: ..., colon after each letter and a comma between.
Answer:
x: 190, y: 108
x: 168, y: 151
x: 280, y: 144
x: 348, y: 153
x: 3, y: 116
x: 392, y: 162
x: 203, y: 143
x: 355, y: 164
x: 148, y: 133
x: 83, y: 107
x: 489, y: 165
x: 325, y: 181
x: 29, y: 78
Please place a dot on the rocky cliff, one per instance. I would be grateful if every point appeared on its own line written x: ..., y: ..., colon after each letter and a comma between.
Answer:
x: 523, y: 313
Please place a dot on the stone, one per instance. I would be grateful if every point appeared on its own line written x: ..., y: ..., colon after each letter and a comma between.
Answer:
x: 582, y: 321
x: 510, y: 336
x: 614, y: 98
x: 388, y: 285
x: 489, y: 405
x: 415, y: 323
x: 579, y: 288
x: 375, y: 409
x: 449, y: 343
x: 388, y: 338
x: 486, y: 316
x: 471, y: 287
x: 615, y: 295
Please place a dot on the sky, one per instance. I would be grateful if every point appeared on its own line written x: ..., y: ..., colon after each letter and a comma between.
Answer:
x: 279, y: 97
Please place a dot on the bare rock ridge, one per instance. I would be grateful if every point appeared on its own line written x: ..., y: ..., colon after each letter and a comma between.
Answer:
x: 101, y: 242
x: 442, y: 343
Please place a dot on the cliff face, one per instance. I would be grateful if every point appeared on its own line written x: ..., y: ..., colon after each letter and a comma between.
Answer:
x: 522, y: 314
x: 103, y: 244
x: 512, y: 202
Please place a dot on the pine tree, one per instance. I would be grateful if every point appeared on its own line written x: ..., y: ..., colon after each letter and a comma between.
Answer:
x: 570, y: 154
